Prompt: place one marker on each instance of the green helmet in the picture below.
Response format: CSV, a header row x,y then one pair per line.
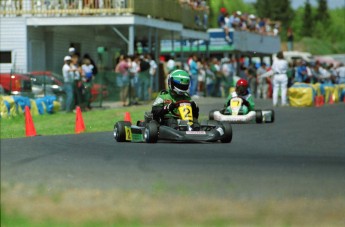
x,y
178,81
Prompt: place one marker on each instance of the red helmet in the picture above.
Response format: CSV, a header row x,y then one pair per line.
x,y
242,87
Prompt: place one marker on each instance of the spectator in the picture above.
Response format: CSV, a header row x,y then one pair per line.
x,y
78,85
215,68
171,65
223,19
340,73
68,77
122,78
251,77
153,77
321,74
194,71
290,39
144,79
291,73
301,72
202,76
87,73
93,63
262,87
280,80
210,78
262,26
228,73
134,69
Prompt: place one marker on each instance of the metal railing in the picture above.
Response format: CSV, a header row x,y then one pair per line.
x,y
170,10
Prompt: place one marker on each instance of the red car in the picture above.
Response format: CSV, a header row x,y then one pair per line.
x,y
15,84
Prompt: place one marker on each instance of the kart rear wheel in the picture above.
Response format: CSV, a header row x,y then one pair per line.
x,y
258,116
272,116
227,132
120,130
151,132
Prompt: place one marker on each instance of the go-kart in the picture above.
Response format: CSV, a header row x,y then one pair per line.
x,y
184,130
237,117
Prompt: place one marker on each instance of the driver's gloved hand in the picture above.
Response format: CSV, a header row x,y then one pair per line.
x,y
171,106
196,125
245,102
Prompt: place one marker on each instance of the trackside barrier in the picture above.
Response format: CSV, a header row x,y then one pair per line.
x,y
11,106
301,95
304,95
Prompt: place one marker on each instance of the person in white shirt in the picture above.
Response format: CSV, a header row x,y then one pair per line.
x,y
68,77
153,78
280,79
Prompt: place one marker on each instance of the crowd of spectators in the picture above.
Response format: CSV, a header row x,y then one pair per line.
x,y
216,76
246,22
136,78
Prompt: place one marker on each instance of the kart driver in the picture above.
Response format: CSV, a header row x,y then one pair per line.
x,y
165,107
241,91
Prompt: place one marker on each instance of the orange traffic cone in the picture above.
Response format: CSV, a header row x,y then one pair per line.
x,y
79,122
317,101
127,117
29,124
331,99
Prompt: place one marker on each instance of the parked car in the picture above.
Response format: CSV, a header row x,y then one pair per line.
x,y
49,83
16,84
46,83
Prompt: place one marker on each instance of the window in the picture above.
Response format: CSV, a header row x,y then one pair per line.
x,y
6,57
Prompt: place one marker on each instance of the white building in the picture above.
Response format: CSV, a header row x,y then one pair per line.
x,y
35,35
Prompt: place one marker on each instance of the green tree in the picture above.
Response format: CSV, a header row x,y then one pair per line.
x,y
307,27
322,13
263,8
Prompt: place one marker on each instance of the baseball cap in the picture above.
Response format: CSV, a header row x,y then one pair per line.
x,y
71,49
223,10
67,58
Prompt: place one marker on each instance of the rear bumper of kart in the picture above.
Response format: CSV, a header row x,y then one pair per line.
x,y
167,133
258,116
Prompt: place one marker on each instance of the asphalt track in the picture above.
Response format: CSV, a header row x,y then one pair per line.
x,y
302,154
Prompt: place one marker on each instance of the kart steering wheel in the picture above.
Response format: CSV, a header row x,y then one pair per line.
x,y
177,104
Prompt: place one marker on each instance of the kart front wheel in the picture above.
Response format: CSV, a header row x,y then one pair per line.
x,y
120,130
227,137
211,115
258,116
151,133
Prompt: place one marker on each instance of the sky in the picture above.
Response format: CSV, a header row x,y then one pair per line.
x,y
297,3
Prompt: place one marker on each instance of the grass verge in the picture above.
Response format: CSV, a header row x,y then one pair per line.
x,y
28,207
97,120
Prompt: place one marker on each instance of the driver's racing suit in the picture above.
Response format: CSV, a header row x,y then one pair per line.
x,y
247,105
164,114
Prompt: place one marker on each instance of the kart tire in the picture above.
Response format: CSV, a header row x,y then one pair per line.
x,y
227,132
272,116
120,130
155,122
211,115
151,132
258,116
213,123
